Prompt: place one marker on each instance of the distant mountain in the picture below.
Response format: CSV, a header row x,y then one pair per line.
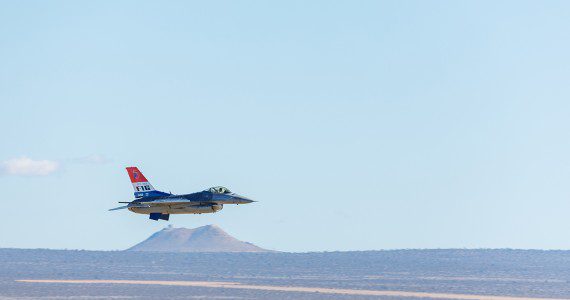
x,y
210,238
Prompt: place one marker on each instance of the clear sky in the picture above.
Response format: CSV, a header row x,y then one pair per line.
x,y
356,125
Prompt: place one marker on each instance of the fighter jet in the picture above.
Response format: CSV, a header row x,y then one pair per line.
x,y
159,205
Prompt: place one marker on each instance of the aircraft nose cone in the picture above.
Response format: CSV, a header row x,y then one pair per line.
x,y
243,200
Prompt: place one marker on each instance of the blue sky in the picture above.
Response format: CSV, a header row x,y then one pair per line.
x,y
356,125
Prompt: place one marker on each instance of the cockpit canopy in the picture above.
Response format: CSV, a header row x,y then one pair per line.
x,y
219,190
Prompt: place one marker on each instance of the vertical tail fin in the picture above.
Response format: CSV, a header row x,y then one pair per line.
x,y
142,187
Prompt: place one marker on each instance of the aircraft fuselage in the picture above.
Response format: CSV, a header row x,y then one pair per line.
x,y
159,205
195,203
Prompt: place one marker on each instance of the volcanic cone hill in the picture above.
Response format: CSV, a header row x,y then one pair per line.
x,y
210,238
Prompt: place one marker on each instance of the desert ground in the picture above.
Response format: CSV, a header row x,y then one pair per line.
x,y
398,274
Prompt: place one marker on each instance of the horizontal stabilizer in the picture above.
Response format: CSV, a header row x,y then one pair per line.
x,y
120,207
127,206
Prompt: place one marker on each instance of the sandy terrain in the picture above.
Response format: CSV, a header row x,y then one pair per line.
x,y
235,285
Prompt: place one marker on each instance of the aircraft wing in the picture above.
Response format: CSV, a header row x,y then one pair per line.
x,y
171,201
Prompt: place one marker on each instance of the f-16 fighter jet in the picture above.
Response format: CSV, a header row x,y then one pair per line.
x,y
159,205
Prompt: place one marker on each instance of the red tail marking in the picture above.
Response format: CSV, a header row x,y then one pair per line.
x,y
135,175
